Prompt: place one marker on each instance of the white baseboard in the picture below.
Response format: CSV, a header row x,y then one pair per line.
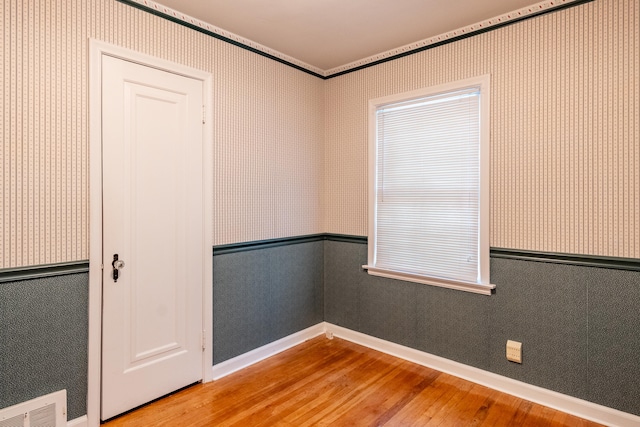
x,y
78,422
232,365
571,405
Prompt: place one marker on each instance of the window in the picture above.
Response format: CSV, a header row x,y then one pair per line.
x,y
429,188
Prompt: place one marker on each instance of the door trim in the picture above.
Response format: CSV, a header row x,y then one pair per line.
x,y
97,49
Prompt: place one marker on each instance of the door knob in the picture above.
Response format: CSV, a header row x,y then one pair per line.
x,y
117,264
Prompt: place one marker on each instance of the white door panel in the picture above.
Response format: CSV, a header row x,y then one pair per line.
x,y
153,220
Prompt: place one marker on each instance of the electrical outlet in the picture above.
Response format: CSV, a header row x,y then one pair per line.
x,y
514,351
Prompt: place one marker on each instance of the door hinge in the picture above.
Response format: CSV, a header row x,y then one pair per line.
x,y
204,115
202,341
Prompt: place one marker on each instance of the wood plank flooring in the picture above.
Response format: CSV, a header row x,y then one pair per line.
x,y
326,382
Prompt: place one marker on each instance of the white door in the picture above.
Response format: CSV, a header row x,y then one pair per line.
x,y
152,136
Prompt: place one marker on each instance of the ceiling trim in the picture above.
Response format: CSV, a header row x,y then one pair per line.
x,y
224,35
500,21
495,23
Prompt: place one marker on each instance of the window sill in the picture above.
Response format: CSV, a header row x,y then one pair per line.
x,y
443,283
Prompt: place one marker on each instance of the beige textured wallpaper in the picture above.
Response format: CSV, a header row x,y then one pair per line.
x,y
290,149
267,118
565,116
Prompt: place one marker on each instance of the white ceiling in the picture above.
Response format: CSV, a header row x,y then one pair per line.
x,y
330,33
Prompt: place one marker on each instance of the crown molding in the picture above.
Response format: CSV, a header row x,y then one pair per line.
x,y
494,23
224,35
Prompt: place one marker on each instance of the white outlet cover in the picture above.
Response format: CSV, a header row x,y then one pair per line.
x,y
514,351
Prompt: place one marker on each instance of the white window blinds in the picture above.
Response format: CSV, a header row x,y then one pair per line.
x,y
427,187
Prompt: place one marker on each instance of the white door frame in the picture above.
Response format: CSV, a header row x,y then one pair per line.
x,y
96,50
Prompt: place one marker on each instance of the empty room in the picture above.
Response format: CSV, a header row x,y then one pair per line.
x,y
364,212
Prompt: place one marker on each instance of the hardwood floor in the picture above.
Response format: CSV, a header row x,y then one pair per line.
x,y
337,383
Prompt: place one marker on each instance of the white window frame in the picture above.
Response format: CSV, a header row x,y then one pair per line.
x,y
483,286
